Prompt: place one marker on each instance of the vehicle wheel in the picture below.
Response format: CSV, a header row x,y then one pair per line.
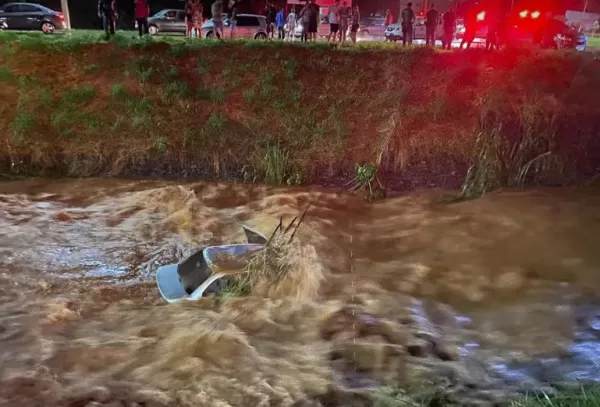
x,y
260,36
48,28
209,35
152,30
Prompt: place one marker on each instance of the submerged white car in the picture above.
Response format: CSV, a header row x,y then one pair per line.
x,y
194,277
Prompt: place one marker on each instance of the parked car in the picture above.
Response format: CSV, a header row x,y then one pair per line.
x,y
394,31
548,33
250,26
372,27
29,16
167,21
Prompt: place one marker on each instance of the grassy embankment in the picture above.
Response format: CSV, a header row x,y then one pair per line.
x,y
281,113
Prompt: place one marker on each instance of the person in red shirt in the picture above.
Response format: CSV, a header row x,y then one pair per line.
x,y
142,12
389,18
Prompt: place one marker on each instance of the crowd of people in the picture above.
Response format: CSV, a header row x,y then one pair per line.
x,y
340,17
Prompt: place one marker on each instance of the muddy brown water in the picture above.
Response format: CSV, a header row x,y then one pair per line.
x,y
484,299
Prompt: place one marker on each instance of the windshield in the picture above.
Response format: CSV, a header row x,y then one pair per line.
x,y
160,14
374,21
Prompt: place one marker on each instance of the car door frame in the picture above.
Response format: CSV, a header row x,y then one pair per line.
x,y
12,20
179,25
32,20
168,24
246,30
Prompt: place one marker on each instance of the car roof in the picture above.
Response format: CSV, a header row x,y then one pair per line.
x,y
28,4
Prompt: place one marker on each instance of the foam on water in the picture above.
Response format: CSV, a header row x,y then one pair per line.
x,y
491,295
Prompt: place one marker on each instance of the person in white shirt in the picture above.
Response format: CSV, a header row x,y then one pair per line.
x,y
291,24
334,20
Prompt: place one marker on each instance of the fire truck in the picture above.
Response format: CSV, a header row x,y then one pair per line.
x,y
525,22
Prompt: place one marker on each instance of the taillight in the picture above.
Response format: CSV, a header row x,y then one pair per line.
x,y
524,13
60,16
481,16
535,14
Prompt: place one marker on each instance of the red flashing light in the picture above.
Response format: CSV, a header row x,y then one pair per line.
x,y
481,16
524,13
535,14
60,16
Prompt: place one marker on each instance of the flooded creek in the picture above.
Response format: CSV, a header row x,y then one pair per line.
x,y
485,299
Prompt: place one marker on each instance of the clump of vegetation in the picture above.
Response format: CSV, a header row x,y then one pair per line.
x,y
6,75
281,269
515,152
585,397
366,180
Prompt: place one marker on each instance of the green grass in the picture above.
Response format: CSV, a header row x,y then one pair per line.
x,y
594,42
585,397
389,397
281,110
6,75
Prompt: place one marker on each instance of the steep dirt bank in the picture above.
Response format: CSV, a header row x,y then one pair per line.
x,y
285,114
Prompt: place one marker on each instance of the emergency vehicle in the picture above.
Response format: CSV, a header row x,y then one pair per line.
x,y
527,25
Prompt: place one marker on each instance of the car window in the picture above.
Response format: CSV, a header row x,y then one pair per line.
x,y
247,21
375,21
159,14
181,15
13,8
171,14
27,8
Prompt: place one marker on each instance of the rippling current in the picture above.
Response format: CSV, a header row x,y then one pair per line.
x,y
486,299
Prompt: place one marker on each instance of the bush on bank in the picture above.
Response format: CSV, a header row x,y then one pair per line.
x,y
287,113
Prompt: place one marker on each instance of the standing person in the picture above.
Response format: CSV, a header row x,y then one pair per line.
x,y
305,19
270,15
280,21
344,17
355,23
107,11
389,18
408,19
431,24
189,18
217,18
233,7
197,20
334,20
313,25
291,23
449,24
470,28
492,32
142,12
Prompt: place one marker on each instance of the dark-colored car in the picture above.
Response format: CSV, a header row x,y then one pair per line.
x,y
167,21
29,16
